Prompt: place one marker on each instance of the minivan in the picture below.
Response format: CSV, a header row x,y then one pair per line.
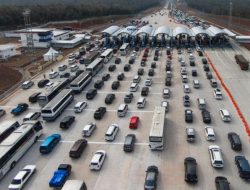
x,y
141,102
129,142
111,132
166,93
196,84
78,108
144,91
210,135
225,116
186,88
74,185
33,97
134,87
32,116
27,84
235,141
137,79
201,103
88,129
91,94
77,148
216,156
122,110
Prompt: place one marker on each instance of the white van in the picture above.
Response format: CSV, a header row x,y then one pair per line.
x,y
111,132
137,79
225,116
32,116
74,185
201,103
134,87
71,61
166,93
216,156
186,88
74,68
53,74
80,106
88,129
27,84
210,135
184,78
196,84
141,102
122,110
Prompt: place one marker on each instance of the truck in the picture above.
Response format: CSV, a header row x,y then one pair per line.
x,y
241,60
60,175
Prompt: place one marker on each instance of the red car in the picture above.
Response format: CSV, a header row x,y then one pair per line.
x,y
170,57
133,124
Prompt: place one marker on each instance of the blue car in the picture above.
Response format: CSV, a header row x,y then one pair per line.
x,y
49,143
20,108
60,175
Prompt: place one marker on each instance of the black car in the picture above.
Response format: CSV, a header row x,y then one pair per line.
x,y
77,148
206,68
235,141
156,58
109,98
99,84
99,113
118,60
168,68
140,71
194,73
127,67
243,166
144,91
188,115
190,170
65,75
112,68
91,94
222,183
131,61
143,63
106,77
204,61
151,72
115,85
33,97
120,76
209,75
151,178
129,143
192,63
200,53
128,98
153,65
67,122
42,83
206,117
168,81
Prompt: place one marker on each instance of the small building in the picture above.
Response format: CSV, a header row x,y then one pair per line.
x,y
60,34
67,43
7,51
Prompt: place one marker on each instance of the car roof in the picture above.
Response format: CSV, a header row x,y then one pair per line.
x,y
20,174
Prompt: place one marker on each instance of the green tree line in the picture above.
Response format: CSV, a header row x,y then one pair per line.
x,y
240,8
11,15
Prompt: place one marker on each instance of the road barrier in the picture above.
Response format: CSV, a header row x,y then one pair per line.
x,y
242,118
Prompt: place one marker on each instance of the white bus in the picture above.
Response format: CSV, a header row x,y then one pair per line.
x,y
124,49
55,107
107,55
44,98
17,144
156,136
80,82
6,128
95,66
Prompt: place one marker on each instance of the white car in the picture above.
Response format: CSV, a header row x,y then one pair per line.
x,y
210,134
88,129
217,94
27,84
225,115
148,82
80,106
53,74
22,177
74,68
97,160
216,156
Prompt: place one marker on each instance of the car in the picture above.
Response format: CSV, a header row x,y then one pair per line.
x,y
97,160
140,71
143,62
168,81
128,98
112,68
168,68
206,68
156,58
153,65
134,121
204,61
200,53
213,83
151,178
118,60
190,170
131,60
225,115
32,116
111,132
80,106
217,94
67,122
188,115
216,156
60,175
192,63
22,177
53,74
165,104
2,112
77,148
20,108
65,75
129,143
115,85
74,68
186,101
151,72
62,68
136,79
210,134
235,141
27,84
49,143
148,82
190,132
91,94
109,98
189,50
42,83
243,167
106,77
206,117
209,75
33,97
221,183
194,73
120,76
144,91
99,84
184,78
127,67
179,51
88,129
99,113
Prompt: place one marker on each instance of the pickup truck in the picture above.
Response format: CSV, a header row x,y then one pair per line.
x,y
20,108
60,175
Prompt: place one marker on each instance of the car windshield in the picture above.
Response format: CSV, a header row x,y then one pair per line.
x,y
16,181
149,183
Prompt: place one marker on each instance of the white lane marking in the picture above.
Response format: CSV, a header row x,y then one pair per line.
x,y
104,142
114,92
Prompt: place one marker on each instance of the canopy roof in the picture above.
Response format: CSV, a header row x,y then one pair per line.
x,y
198,30
163,30
145,30
110,30
215,31
182,30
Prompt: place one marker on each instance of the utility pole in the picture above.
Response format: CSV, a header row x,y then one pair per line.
x,y
230,14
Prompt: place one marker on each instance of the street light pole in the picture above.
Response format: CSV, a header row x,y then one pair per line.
x,y
230,14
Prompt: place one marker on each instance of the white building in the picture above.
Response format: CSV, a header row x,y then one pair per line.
x,y
7,50
60,34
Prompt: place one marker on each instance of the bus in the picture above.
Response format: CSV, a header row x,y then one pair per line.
x,y
90,57
80,82
95,66
6,128
156,135
107,55
44,98
17,143
124,49
56,106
